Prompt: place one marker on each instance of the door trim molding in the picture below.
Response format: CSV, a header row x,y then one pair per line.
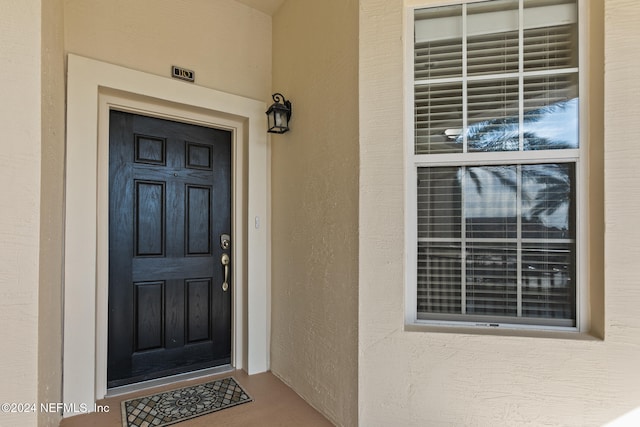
x,y
93,87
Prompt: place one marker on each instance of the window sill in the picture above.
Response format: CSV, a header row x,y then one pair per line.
x,y
501,331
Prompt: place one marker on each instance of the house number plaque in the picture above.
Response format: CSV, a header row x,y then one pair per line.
x,y
182,73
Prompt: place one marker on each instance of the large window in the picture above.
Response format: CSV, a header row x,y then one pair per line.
x,y
496,161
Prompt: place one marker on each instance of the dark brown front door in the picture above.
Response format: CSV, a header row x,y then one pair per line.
x,y
169,203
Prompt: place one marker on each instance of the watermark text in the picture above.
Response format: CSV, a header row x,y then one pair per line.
x,y
51,407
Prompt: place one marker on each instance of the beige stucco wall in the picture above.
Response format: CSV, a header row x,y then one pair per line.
x,y
20,204
52,210
426,378
314,205
226,43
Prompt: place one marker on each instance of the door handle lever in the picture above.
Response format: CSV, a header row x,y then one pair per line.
x,y
224,260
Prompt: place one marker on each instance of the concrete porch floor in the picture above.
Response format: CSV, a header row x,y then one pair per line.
x,y
274,404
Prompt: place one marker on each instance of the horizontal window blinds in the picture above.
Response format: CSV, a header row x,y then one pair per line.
x,y
497,241
482,84
497,16
438,118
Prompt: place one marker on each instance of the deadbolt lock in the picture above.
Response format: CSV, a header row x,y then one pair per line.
x,y
225,241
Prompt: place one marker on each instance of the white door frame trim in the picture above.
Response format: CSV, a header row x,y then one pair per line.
x,y
93,86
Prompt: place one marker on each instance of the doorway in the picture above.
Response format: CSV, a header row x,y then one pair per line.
x,y
169,248
93,89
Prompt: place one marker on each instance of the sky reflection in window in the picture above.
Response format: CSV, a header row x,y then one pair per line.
x,y
548,128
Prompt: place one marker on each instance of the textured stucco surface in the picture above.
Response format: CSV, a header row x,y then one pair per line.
x,y
315,204
52,210
20,204
452,379
226,43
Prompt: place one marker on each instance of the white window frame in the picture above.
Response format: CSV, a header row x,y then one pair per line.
x,y
414,161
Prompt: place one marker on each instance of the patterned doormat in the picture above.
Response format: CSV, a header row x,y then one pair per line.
x,y
173,406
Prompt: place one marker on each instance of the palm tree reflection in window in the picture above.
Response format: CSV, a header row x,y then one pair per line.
x,y
542,196
546,199
552,127
546,189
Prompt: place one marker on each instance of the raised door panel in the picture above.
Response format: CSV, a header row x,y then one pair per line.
x,y
149,218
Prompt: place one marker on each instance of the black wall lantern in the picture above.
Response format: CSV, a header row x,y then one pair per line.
x,y
278,114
